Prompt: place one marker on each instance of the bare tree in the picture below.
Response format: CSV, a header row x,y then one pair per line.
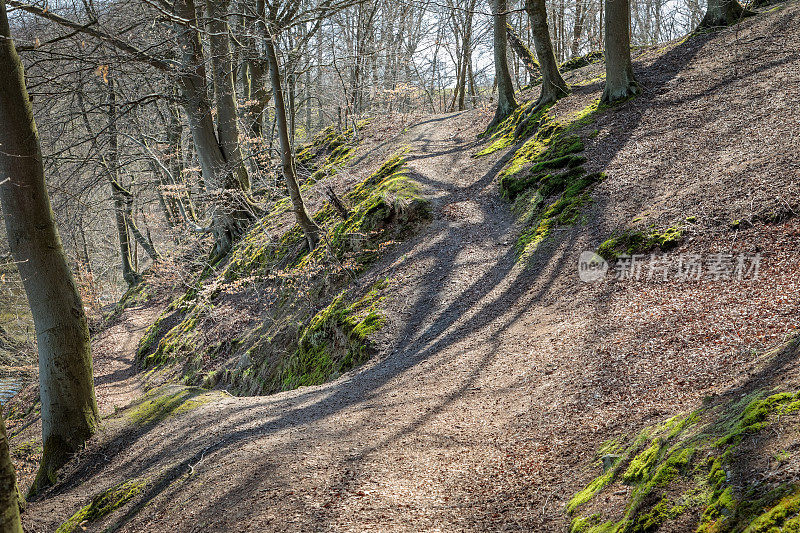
x,y
553,85
69,410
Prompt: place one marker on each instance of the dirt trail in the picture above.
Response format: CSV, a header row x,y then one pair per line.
x,y
115,374
387,446
500,378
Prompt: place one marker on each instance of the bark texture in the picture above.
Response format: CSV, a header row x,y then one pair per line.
x,y
620,80
724,13
553,85
309,227
220,159
69,410
9,491
505,88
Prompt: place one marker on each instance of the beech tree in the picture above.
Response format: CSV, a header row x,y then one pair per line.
x,y
9,491
69,409
505,88
553,85
620,80
724,13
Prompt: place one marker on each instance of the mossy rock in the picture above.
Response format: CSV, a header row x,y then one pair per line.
x,y
632,241
102,505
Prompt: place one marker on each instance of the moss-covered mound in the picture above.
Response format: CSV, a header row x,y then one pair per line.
x,y
546,180
330,150
634,241
303,318
694,472
102,505
581,61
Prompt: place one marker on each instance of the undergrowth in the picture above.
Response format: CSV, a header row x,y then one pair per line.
x,y
310,319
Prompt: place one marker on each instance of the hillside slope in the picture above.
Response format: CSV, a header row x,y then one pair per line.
x,y
499,374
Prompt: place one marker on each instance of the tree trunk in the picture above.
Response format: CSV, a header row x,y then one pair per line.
x,y
505,89
577,30
553,85
309,227
620,81
233,211
724,13
9,491
225,90
69,410
524,53
129,273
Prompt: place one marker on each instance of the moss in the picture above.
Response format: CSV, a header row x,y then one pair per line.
x,y
505,134
784,516
134,296
102,505
335,340
683,465
587,493
642,466
28,448
755,416
631,242
312,330
581,61
328,152
545,177
166,401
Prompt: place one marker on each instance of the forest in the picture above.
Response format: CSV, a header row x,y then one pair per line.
x,y
439,265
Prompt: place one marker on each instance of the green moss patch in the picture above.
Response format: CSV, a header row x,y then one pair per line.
x,y
335,340
685,471
546,180
506,133
330,150
581,61
167,401
631,242
102,505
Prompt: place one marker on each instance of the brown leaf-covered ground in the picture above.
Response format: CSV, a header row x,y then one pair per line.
x,y
498,379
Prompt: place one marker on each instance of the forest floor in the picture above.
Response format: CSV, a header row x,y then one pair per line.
x,y
499,378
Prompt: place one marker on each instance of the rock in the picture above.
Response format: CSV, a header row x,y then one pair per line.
x,y
609,460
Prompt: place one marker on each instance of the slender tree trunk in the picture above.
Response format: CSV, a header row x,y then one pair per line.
x,y
69,410
129,273
466,55
620,81
577,30
309,227
553,85
10,499
505,89
724,13
524,53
